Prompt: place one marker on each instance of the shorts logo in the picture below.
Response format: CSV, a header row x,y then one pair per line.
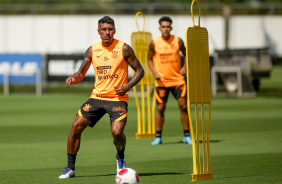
x,y
115,54
86,107
119,109
162,93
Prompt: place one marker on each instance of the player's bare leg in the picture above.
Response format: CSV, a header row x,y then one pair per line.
x,y
159,123
182,104
79,124
119,140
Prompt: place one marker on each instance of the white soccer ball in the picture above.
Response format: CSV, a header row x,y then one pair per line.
x,y
127,176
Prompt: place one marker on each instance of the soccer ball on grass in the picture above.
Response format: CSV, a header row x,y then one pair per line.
x,y
127,176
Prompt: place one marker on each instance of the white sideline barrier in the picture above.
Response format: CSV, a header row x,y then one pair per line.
x,y
38,80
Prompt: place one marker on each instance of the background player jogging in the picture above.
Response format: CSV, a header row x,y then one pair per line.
x,y
169,75
110,59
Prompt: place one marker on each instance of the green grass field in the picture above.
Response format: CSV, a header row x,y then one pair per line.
x,y
246,141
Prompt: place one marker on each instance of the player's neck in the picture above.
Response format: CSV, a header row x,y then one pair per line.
x,y
166,37
107,44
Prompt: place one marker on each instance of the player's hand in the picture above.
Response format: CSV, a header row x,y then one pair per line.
x,y
158,76
121,90
69,81
183,71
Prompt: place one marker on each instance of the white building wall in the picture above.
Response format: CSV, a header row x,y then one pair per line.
x,y
74,34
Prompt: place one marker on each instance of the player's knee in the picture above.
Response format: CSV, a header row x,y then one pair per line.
x,y
117,133
183,107
161,108
77,127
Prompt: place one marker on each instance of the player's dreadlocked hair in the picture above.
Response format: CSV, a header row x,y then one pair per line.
x,y
165,18
106,19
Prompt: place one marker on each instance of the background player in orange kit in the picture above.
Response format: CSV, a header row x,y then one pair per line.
x,y
110,59
169,76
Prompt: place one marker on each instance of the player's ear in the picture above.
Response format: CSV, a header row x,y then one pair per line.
x,y
171,29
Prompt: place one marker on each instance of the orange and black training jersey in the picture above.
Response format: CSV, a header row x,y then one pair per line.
x,y
110,70
167,61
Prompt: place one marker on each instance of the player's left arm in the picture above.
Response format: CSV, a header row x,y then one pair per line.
x,y
131,59
183,51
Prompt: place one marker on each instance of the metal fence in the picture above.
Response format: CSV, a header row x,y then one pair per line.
x,y
148,8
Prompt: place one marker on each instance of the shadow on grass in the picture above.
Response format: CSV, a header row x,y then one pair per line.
x,y
140,174
158,174
180,142
270,92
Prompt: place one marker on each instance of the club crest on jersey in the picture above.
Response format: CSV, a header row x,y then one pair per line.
x,y
162,93
115,54
86,107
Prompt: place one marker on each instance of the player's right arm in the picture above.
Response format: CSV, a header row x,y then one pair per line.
x,y
151,54
79,75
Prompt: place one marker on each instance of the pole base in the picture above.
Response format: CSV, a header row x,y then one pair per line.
x,y
145,135
199,177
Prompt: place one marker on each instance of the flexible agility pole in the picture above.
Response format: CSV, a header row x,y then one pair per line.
x,y
140,42
199,93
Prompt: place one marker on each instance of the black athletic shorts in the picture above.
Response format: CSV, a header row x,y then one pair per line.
x,y
94,110
162,93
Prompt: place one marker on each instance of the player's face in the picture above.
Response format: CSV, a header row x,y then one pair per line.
x,y
165,28
106,32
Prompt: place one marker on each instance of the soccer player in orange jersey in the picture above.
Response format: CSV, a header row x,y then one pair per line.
x,y
164,51
110,59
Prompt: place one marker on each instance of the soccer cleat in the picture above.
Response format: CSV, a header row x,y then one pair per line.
x,y
157,141
68,173
187,140
121,164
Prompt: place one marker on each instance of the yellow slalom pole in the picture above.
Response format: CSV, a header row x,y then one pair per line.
x,y
198,93
143,107
204,142
138,111
208,140
198,142
140,41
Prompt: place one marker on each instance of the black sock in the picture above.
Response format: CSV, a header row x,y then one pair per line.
x,y
159,134
71,160
120,154
186,133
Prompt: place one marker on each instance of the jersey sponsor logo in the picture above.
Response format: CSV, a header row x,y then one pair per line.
x,y
97,50
103,67
105,96
102,73
107,76
86,107
119,108
161,93
115,54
